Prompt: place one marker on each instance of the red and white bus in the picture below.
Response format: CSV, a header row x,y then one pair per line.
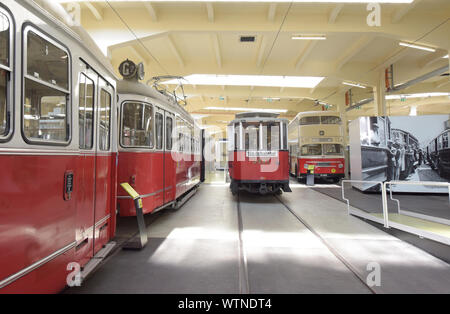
x,y
316,145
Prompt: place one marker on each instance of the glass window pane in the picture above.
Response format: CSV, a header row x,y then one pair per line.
x,y
105,117
3,107
251,135
159,130
45,113
309,120
137,125
169,127
312,150
330,120
332,149
86,110
47,62
4,39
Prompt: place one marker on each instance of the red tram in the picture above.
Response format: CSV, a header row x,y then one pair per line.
x,y
159,147
59,141
57,149
258,159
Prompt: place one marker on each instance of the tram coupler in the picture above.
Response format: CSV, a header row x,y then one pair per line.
x,y
310,176
141,241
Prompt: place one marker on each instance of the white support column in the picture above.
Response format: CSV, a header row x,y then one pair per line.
x,y
379,92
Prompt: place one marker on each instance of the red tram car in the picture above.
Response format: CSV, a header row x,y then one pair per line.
x,y
159,147
59,141
258,158
57,149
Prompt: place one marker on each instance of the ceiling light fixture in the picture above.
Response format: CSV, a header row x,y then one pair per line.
x,y
247,109
354,84
250,80
445,57
309,37
405,44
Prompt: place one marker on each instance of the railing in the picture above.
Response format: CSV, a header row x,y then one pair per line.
x,y
386,222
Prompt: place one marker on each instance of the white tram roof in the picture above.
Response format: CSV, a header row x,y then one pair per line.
x,y
258,117
133,87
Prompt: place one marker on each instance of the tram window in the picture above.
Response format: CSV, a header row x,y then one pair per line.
x,y
3,107
332,149
105,120
137,125
312,150
159,121
86,110
5,31
310,120
445,140
45,115
330,120
271,136
169,126
46,90
4,39
251,135
46,61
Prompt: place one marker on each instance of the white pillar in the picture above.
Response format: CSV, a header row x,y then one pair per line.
x,y
379,93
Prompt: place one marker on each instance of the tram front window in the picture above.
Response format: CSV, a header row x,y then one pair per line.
x,y
332,149
137,125
251,135
4,39
312,150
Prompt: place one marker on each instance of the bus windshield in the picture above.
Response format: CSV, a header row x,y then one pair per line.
x,y
312,150
330,120
332,149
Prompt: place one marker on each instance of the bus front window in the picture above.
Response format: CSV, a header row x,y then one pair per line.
x,y
330,120
312,150
332,149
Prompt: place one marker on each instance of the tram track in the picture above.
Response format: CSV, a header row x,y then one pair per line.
x,y
244,286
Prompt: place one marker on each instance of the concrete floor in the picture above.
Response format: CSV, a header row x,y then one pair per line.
x,y
196,250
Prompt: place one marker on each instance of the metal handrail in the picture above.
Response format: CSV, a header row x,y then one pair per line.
x,y
355,181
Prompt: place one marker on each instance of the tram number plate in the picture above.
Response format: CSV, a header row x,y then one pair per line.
x,y
251,154
68,185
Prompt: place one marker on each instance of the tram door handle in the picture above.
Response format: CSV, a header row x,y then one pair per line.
x,y
68,185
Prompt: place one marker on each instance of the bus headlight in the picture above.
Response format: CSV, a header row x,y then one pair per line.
x,y
306,166
341,166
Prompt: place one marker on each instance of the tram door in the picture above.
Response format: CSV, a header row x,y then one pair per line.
x,y
85,173
104,164
169,162
158,159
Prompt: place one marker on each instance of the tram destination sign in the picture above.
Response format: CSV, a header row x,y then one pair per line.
x,y
261,153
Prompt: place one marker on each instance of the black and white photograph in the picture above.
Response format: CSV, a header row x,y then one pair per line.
x,y
412,148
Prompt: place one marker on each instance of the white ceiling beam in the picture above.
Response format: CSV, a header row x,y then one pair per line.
x,y
305,53
175,51
392,57
432,57
210,11
353,50
152,11
401,12
335,13
262,49
272,12
96,12
216,47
